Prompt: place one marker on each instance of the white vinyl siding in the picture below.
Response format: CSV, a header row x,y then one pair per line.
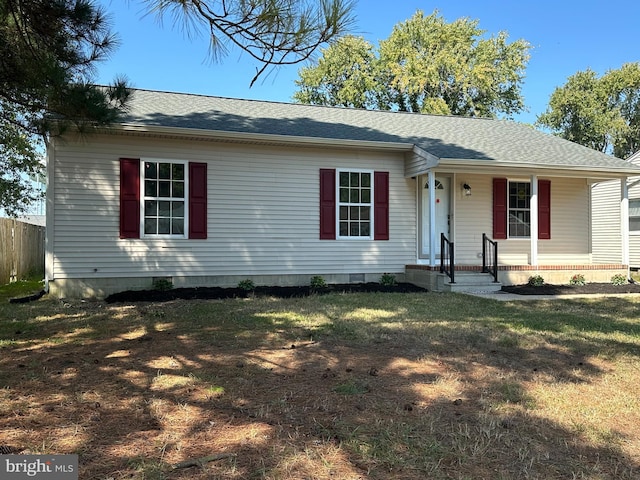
x,y
263,213
607,244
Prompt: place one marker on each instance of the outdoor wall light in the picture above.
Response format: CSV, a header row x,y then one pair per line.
x,y
466,188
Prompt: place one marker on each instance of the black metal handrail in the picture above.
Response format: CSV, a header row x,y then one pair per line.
x,y
490,257
446,258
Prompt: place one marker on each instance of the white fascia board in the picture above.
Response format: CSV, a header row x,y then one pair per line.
x,y
419,162
482,166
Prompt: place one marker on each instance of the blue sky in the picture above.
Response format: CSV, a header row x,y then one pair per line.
x,y
567,36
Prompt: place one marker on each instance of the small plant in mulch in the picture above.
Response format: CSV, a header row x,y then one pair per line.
x,y
536,281
162,284
619,279
246,285
317,282
577,279
388,280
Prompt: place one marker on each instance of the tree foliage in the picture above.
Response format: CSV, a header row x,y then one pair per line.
x,y
426,65
345,76
273,32
602,113
48,50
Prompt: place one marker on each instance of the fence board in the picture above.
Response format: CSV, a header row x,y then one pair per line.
x,y
21,250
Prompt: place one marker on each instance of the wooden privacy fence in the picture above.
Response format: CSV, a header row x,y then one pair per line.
x,y
21,250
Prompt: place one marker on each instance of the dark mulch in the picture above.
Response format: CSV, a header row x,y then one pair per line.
x,y
589,288
214,293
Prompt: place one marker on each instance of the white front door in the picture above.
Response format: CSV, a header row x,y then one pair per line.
x,y
442,193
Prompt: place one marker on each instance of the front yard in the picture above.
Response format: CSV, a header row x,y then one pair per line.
x,y
338,386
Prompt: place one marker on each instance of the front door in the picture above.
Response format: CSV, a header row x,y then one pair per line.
x,y
442,195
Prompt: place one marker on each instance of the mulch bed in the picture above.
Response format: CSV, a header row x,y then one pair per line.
x,y
589,288
215,293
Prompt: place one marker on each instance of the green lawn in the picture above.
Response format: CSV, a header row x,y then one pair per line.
x,y
350,386
20,289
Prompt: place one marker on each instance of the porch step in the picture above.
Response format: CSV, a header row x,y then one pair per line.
x,y
471,282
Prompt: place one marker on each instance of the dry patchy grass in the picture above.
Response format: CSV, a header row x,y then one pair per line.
x,y
358,386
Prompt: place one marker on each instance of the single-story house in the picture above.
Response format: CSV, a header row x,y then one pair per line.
x,y
610,221
208,191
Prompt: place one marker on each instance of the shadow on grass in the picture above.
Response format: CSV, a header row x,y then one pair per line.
x,y
369,385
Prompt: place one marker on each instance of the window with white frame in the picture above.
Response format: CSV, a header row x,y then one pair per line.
x,y
164,202
519,210
355,194
634,215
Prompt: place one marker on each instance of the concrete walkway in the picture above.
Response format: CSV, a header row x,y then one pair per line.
x,y
511,297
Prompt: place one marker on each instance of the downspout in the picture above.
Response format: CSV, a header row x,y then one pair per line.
x,y
50,215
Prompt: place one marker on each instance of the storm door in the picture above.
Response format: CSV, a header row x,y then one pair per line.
x,y
442,214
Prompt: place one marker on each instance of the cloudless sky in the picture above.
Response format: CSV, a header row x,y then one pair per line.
x,y
567,36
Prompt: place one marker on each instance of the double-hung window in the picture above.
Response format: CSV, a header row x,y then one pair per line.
x,y
634,216
519,210
355,204
164,203
512,209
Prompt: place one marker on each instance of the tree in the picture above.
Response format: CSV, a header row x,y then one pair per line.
x,y
426,65
48,50
273,32
602,113
345,76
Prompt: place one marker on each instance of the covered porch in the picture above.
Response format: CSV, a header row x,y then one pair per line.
x,y
491,226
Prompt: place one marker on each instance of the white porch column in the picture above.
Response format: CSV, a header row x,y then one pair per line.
x,y
431,179
624,219
533,206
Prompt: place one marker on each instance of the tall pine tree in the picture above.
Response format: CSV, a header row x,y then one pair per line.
x,y
48,52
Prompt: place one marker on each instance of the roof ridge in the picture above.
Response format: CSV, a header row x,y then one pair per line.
x,y
330,107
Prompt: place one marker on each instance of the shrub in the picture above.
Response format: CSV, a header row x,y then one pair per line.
x,y
317,282
388,280
162,284
618,279
536,281
246,285
577,279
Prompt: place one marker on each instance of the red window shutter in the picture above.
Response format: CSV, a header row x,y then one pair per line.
x,y
327,204
129,198
544,209
198,200
499,208
381,205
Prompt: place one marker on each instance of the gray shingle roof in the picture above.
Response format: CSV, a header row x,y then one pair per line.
x,y
446,137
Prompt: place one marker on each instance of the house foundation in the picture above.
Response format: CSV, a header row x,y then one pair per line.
x,y
98,288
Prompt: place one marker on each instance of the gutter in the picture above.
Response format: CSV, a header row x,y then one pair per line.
x,y
469,165
262,137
